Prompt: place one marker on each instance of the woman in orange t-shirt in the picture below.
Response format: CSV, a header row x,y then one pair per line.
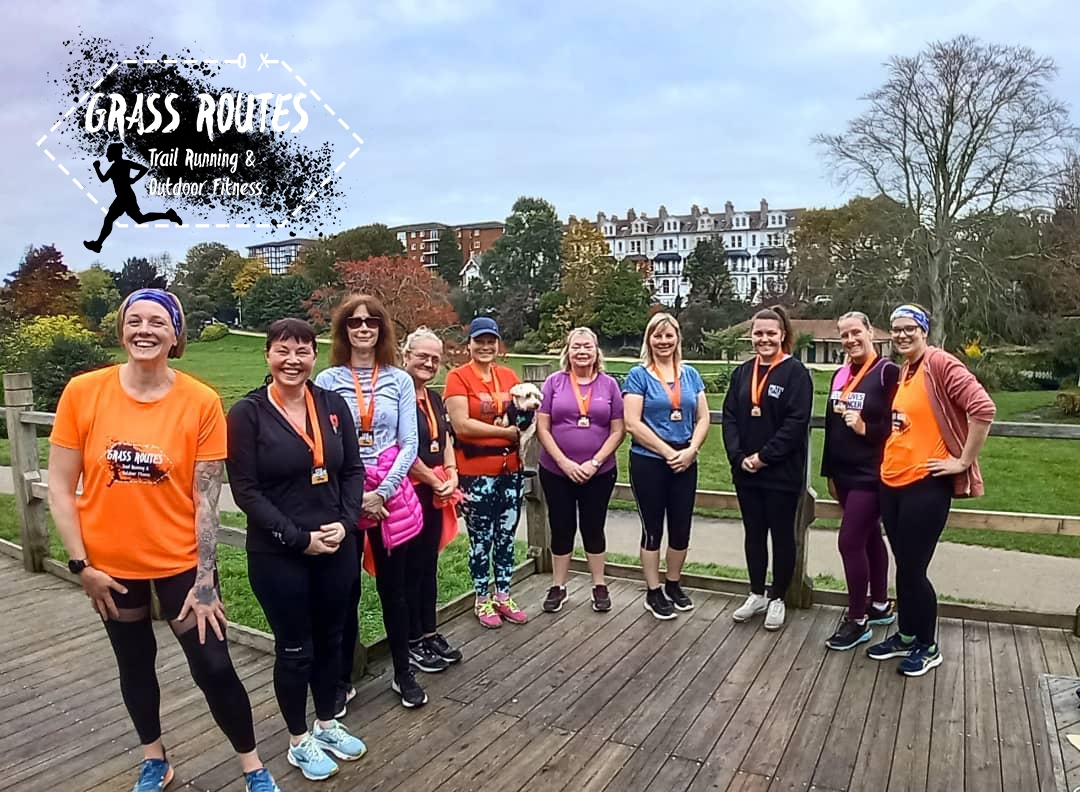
x,y
477,397
940,420
149,443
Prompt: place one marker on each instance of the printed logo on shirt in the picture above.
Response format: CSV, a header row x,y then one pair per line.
x,y
776,391
856,400
136,463
900,421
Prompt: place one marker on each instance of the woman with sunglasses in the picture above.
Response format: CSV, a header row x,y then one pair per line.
x,y
857,423
383,400
941,418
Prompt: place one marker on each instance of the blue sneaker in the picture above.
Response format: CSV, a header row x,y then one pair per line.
x,y
260,781
154,775
891,647
309,757
920,661
338,741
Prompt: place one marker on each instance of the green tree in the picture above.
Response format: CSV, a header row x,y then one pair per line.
x,y
956,134
275,297
708,273
138,273
43,285
357,244
523,264
449,259
585,263
622,310
97,293
199,263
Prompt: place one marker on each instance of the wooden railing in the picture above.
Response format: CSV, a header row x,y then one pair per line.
x,y
31,495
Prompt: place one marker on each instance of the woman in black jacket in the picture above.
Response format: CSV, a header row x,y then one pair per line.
x,y
766,433
295,470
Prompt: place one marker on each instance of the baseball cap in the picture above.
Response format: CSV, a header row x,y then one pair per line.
x,y
484,325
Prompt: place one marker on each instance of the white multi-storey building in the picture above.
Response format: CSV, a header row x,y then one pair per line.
x,y
756,243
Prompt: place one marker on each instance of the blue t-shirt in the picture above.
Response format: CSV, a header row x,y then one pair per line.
x,y
656,411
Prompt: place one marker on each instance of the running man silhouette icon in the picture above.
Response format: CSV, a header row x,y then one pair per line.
x,y
121,175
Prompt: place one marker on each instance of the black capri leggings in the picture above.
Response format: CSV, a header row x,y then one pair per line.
x,y
914,517
660,491
422,569
305,598
572,505
133,642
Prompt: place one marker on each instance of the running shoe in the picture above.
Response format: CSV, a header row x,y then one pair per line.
x,y
443,649
260,781
309,758
893,646
849,634
336,739
556,596
921,660
673,591
154,775
486,613
601,599
774,616
424,659
881,616
659,605
755,604
509,610
412,695
342,699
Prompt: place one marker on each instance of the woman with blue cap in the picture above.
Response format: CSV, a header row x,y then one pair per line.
x,y
941,417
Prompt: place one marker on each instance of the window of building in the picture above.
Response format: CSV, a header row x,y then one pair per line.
x,y
651,245
665,287
414,235
684,243
476,232
620,247
476,244
412,246
753,240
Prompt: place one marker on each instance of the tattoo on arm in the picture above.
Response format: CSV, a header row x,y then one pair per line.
x,y
208,476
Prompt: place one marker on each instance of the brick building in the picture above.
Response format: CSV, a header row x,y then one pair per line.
x,y
421,240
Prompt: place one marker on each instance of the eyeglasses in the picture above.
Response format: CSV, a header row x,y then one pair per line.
x,y
909,331
426,359
370,322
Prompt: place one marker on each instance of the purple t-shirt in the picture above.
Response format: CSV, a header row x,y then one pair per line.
x,y
580,443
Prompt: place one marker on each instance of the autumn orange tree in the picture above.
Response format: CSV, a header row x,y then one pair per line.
x,y
413,296
43,285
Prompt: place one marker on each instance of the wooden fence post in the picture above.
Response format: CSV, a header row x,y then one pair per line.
x,y
25,471
536,515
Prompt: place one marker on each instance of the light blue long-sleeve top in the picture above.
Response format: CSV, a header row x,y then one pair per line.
x,y
394,421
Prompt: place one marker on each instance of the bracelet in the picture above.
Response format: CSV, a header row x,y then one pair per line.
x,y
449,467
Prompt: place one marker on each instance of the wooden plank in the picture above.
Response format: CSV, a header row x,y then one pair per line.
x,y
1032,666
594,776
841,748
508,764
675,775
1016,742
763,755
982,759
1059,659
911,754
945,768
874,761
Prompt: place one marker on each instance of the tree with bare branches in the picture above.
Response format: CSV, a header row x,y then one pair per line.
x,y
958,133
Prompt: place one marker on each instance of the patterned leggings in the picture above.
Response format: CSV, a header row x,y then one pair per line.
x,y
491,509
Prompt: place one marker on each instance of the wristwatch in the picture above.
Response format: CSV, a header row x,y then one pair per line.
x,y
76,567
595,463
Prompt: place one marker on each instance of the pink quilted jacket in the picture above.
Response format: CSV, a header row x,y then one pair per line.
x,y
406,518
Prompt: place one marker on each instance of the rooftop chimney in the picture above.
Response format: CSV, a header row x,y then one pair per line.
x,y
729,213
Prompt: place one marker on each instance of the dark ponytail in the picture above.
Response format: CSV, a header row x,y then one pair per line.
x,y
777,314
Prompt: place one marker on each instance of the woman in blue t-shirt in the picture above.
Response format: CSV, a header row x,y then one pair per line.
x,y
667,415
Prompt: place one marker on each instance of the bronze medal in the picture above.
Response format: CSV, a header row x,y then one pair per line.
x,y
434,446
366,439
676,415
583,421
319,475
755,412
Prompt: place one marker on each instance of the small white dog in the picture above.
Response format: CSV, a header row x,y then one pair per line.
x,y
526,401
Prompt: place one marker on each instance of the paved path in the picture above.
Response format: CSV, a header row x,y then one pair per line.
x,y
1003,577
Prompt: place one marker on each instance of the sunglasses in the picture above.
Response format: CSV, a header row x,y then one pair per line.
x,y
370,322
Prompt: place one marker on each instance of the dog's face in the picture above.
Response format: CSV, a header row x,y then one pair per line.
x,y
526,396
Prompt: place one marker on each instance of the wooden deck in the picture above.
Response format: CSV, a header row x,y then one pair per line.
x,y
575,701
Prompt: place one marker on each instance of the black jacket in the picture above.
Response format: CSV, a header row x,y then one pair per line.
x,y
854,461
270,472
780,436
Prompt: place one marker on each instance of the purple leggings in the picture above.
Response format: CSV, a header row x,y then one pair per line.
x,y
862,548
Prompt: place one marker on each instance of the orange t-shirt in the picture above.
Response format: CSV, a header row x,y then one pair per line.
x,y
483,406
137,507
915,437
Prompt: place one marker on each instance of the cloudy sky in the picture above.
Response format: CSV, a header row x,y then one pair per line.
x,y
464,105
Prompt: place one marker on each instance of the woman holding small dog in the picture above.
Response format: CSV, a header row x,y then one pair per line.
x,y
667,415
580,426
477,397
766,434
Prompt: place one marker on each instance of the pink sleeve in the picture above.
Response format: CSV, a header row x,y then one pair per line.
x,y
965,391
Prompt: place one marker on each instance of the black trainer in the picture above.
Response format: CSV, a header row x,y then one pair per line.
x,y
659,605
341,700
443,649
422,657
673,591
849,635
876,615
556,596
601,599
412,695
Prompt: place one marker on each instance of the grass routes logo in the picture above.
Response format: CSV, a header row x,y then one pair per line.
x,y
171,136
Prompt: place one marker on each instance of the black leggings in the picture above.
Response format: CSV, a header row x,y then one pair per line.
x,y
914,517
422,568
660,491
350,631
765,513
305,598
571,504
132,638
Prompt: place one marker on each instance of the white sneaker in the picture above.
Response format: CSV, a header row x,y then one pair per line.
x,y
755,604
774,619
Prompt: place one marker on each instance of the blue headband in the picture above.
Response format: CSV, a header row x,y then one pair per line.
x,y
915,314
162,298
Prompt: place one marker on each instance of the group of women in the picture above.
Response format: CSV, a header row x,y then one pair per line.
x,y
367,466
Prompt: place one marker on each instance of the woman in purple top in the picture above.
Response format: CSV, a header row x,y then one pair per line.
x,y
580,425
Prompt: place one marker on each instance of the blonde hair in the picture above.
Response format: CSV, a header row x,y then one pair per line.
x,y
419,333
564,356
866,323
655,323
